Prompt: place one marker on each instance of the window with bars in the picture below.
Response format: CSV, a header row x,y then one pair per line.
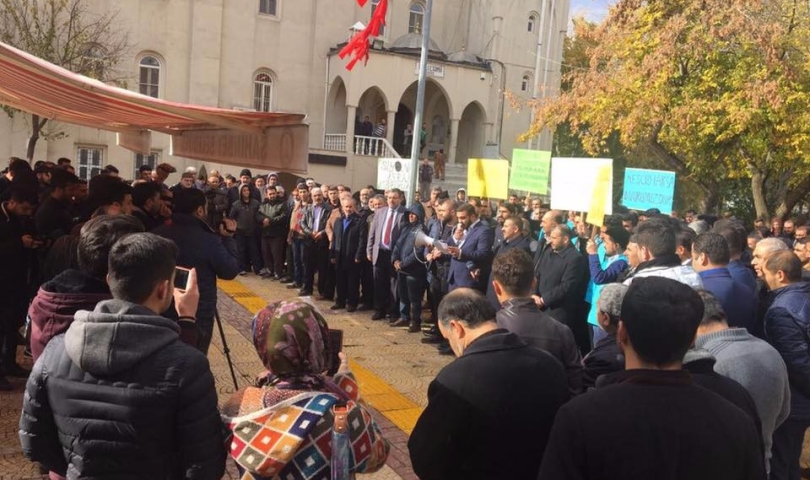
x,y
374,4
149,76
91,160
268,7
140,159
416,18
263,92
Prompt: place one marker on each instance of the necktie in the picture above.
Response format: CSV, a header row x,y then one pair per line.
x,y
388,225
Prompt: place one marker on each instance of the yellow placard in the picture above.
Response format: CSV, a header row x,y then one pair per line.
x,y
596,214
488,178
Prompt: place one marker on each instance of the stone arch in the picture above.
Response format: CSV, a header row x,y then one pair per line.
x,y
438,113
471,132
336,109
374,104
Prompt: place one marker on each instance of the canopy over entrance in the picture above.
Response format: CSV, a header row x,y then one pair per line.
x,y
274,141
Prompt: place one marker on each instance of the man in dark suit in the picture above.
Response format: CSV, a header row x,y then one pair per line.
x,y
511,238
562,278
382,237
471,251
348,253
710,258
316,251
496,426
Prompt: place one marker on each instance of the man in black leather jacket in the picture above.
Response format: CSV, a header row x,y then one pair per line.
x,y
513,276
119,392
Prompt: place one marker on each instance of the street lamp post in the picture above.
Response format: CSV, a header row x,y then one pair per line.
x,y
420,102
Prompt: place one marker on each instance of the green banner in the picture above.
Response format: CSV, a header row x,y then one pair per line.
x,y
530,171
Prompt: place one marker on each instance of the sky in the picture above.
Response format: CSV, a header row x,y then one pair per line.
x,y
593,10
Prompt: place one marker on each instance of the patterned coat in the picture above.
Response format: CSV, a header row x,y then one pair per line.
x,y
283,433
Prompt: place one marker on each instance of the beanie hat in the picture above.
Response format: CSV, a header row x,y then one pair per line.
x,y
244,172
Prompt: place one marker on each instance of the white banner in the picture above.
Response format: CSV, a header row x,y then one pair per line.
x,y
573,181
395,173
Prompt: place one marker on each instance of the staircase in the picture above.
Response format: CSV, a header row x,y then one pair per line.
x,y
455,178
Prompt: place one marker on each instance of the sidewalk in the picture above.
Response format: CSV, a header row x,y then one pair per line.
x,y
393,369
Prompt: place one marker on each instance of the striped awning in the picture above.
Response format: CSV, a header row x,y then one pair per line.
x,y
35,86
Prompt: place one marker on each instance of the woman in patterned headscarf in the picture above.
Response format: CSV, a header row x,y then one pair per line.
x,y
282,427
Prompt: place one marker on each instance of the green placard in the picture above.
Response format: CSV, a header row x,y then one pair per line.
x,y
530,171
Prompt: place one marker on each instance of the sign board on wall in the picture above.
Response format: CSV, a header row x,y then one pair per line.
x,y
283,148
645,189
573,181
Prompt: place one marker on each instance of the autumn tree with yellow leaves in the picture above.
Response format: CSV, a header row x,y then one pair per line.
x,y
717,91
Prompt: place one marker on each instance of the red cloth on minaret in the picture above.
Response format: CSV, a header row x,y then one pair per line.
x,y
358,46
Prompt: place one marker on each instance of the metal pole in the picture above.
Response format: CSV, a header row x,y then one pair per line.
x,y
538,58
420,102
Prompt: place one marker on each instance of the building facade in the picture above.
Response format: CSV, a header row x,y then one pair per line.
x,y
281,55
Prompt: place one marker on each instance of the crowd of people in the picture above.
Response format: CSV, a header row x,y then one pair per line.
x,y
650,346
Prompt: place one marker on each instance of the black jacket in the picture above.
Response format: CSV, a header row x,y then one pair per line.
x,y
119,396
349,245
213,255
245,216
562,278
489,412
523,243
652,424
605,358
54,218
14,257
276,213
522,317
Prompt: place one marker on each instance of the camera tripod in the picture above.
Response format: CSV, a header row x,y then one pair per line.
x,y
225,349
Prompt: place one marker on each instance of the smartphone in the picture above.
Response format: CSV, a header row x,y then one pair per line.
x,y
181,277
335,347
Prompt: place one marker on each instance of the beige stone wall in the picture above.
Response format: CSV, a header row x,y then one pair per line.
x,y
210,51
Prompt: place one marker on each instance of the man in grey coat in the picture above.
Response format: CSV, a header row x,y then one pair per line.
x,y
752,362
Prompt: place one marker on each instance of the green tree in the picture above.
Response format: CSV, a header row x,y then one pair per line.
x,y
65,33
715,90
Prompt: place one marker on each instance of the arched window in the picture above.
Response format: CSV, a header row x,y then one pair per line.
x,y
149,76
525,83
93,62
263,92
374,4
416,18
532,23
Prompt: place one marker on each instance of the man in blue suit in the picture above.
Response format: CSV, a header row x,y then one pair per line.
x,y
471,251
710,258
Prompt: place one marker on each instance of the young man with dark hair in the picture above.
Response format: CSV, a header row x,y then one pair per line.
x,y
656,244
512,282
666,425
710,258
496,426
121,372
736,237
17,245
147,204
684,238
145,173
212,254
787,322
111,193
54,217
51,312
470,249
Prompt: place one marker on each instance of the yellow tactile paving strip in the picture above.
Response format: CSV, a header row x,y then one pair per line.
x,y
394,406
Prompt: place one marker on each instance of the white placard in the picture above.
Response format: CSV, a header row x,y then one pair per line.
x,y
395,173
573,180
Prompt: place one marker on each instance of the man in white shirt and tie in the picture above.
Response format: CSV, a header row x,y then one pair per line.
x,y
382,237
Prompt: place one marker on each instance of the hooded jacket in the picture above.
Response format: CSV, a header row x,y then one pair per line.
x,y
667,266
119,396
51,312
412,263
